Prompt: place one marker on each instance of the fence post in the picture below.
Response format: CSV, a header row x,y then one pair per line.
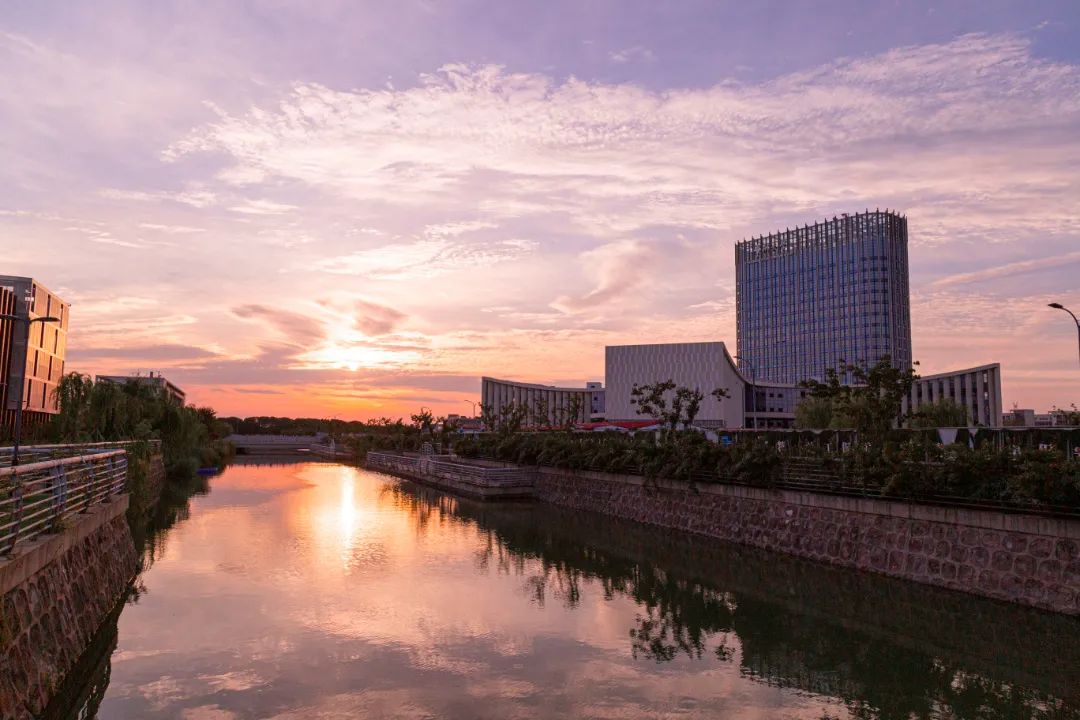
x,y
112,475
59,492
88,477
16,513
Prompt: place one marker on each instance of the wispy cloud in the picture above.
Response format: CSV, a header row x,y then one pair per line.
x,y
375,319
423,258
1010,269
619,269
195,198
295,327
262,207
630,54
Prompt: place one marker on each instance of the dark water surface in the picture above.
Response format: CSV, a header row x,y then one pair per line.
x,y
324,591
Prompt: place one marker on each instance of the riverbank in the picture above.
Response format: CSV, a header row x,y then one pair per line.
x,y
56,593
1022,558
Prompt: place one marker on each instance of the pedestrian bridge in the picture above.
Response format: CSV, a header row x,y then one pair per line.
x,y
273,444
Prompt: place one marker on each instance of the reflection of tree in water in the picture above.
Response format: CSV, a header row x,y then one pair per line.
x,y
811,644
150,533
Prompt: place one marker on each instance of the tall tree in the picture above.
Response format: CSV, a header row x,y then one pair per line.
x,y
674,406
872,403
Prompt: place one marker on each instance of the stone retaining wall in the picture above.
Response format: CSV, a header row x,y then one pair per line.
x,y
54,595
156,477
1026,559
482,482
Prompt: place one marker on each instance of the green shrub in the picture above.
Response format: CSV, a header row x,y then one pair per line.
x,y
905,465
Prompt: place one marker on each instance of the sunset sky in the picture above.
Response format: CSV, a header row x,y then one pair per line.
x,y
355,209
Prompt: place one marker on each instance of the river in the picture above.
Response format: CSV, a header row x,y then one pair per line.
x,y
323,591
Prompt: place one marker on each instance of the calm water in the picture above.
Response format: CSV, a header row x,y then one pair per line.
x,y
324,591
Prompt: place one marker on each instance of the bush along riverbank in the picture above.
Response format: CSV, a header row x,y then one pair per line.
x,y
908,465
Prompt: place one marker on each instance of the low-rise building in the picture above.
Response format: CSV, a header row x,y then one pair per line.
x,y
977,389
168,389
1025,417
704,366
545,405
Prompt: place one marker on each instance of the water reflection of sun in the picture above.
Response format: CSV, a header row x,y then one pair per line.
x,y
342,523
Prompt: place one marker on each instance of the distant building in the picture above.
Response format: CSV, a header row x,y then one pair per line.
x,y
30,368
596,399
1022,417
463,423
1019,417
550,401
168,389
976,389
810,297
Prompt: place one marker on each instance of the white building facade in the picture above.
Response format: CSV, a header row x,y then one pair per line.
x,y
545,404
976,389
705,366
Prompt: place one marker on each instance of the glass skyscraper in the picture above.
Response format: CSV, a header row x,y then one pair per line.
x,y
810,297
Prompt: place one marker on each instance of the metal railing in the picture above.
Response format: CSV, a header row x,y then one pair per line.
x,y
472,473
484,474
391,460
40,497
41,453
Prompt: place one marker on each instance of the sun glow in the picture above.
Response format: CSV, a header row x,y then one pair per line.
x,y
341,355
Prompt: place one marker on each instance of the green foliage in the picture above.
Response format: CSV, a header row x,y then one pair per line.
x,y
1070,417
870,402
385,434
103,412
685,403
814,413
945,413
504,421
423,421
911,465
270,425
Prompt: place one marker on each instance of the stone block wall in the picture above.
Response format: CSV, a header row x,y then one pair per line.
x,y
1027,559
156,477
54,596
481,482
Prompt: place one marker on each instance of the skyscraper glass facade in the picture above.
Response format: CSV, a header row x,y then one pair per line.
x,y
809,298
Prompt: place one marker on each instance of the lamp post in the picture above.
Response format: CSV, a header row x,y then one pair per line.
x,y
473,406
753,390
1059,306
26,354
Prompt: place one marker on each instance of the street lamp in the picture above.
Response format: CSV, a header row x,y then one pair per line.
x,y
1059,306
473,406
26,344
753,389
